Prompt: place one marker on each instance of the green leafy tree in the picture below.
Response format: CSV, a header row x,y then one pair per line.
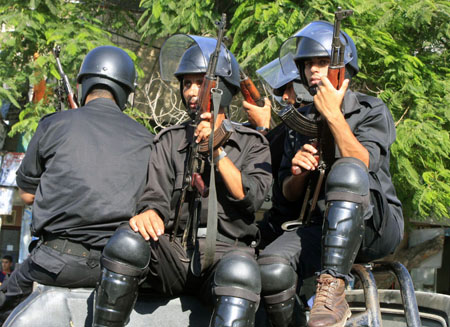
x,y
31,30
403,56
402,49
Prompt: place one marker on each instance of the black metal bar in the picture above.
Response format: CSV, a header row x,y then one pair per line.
x,y
406,290
372,315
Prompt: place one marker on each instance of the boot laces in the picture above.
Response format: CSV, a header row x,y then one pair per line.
x,y
324,292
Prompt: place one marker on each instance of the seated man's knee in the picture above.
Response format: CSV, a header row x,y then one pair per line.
x,y
126,252
348,176
279,282
277,275
237,274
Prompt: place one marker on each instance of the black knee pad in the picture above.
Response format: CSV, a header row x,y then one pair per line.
x,y
279,282
277,275
126,252
237,274
348,180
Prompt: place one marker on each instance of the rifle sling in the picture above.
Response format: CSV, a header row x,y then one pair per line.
x,y
211,231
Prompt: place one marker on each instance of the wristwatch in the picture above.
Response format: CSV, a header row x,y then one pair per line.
x,y
220,156
262,129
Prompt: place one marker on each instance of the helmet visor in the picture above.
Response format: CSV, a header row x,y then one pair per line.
x,y
175,46
274,76
322,33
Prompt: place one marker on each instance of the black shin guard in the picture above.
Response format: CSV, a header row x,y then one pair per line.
x,y
279,282
232,311
280,308
347,192
114,299
121,274
237,285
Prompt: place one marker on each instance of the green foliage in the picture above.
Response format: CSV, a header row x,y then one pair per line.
x,y
404,60
162,18
140,117
403,55
35,27
402,50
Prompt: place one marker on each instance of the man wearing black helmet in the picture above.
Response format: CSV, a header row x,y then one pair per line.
x,y
361,214
242,166
288,91
83,172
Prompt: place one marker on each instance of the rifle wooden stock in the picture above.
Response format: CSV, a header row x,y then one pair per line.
x,y
250,92
204,104
336,70
336,75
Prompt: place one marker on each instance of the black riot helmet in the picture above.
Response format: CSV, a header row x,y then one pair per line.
x,y
194,62
184,54
278,79
315,40
109,66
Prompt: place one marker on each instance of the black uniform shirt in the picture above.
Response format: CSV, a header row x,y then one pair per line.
x,y
249,152
371,122
87,168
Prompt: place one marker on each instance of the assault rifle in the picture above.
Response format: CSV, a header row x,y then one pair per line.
x,y
64,83
192,180
319,130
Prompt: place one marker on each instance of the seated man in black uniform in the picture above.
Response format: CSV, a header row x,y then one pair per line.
x,y
84,171
243,176
360,211
288,91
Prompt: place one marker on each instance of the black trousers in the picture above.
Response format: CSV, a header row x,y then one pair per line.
x,y
49,267
169,272
302,247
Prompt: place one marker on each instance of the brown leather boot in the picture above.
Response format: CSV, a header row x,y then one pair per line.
x,y
330,308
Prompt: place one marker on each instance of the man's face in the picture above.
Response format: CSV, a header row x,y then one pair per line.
x,y
6,265
289,95
315,68
191,89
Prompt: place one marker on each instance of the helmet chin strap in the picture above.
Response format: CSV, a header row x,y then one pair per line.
x,y
312,90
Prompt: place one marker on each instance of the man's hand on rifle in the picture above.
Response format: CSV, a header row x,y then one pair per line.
x,y
204,127
328,100
258,116
306,159
149,224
